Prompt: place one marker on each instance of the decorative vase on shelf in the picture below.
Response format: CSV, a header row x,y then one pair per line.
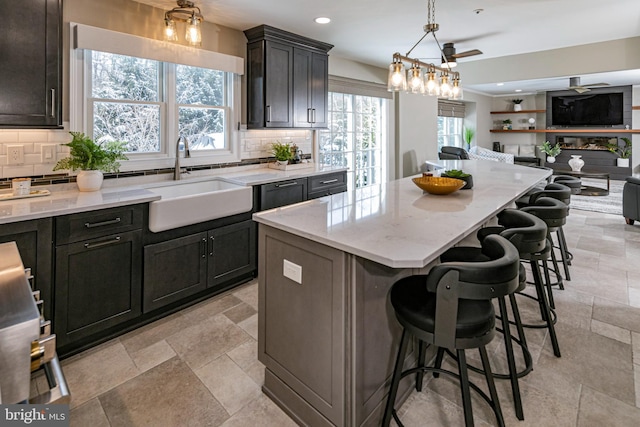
x,y
517,107
551,159
282,162
576,163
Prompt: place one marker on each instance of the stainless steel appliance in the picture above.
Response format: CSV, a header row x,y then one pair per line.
x,y
26,342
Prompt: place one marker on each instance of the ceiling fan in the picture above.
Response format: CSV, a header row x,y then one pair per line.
x,y
449,52
574,84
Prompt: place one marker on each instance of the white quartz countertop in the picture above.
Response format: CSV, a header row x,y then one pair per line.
x,y
71,201
66,199
396,224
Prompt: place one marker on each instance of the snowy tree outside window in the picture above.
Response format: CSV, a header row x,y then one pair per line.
x,y
135,100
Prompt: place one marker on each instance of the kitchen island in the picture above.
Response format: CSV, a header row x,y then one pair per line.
x,y
327,334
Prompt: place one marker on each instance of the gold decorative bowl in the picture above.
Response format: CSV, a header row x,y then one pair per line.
x,y
438,185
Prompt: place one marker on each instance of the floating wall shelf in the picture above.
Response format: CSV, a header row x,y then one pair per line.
x,y
519,112
566,131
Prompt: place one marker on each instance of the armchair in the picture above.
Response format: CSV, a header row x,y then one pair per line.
x,y
631,200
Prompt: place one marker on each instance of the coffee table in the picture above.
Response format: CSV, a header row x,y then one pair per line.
x,y
586,190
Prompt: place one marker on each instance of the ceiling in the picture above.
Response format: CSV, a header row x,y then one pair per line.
x,y
370,31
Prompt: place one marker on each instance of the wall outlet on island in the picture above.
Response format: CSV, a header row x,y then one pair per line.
x,y
292,271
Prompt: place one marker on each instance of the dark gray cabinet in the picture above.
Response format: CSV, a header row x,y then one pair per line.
x,y
283,193
31,64
287,79
34,241
98,272
326,185
184,266
310,88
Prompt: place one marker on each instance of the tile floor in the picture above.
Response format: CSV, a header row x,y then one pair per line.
x,y
199,366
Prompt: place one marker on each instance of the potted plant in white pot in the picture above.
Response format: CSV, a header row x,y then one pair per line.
x,y
92,160
624,152
550,151
282,152
517,104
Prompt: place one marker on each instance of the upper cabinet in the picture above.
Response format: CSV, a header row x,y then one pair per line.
x,y
31,64
287,80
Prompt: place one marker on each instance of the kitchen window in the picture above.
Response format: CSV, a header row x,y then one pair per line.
x,y
450,123
356,138
147,93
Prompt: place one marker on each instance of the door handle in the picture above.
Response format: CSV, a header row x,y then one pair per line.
x,y
268,113
100,224
211,250
288,184
102,243
331,181
203,243
53,104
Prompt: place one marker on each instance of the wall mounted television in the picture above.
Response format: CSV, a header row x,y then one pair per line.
x,y
596,109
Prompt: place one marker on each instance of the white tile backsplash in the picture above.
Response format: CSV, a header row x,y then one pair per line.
x,y
254,144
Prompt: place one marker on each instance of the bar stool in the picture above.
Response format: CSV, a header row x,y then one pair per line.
x,y
574,183
563,193
528,234
451,308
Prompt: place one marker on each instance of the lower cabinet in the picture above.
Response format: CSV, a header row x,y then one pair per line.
x,y
186,265
97,285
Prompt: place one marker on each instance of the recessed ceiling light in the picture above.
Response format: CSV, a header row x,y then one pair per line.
x,y
499,84
322,20
518,90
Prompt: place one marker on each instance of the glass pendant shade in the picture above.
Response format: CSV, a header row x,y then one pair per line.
x,y
193,34
170,33
397,78
414,81
456,90
432,86
445,87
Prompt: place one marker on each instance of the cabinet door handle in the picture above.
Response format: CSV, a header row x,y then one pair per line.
x,y
102,243
314,115
268,113
203,243
52,114
330,181
100,224
288,184
309,118
211,250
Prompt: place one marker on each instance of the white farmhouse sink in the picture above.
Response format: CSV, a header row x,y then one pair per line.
x,y
185,203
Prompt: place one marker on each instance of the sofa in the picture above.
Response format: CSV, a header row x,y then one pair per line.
x,y
631,200
522,154
474,153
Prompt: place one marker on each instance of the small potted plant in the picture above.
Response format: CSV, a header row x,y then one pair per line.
x,y
506,124
282,152
92,160
550,151
624,152
458,174
516,104
468,135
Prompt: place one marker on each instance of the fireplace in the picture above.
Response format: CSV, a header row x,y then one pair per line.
x,y
585,142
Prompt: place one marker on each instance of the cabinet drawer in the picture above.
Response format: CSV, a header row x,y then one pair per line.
x,y
87,225
283,193
324,185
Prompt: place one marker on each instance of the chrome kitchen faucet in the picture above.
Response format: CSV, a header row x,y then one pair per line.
x,y
177,172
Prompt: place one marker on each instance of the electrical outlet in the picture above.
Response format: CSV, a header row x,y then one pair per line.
x,y
15,154
48,153
292,271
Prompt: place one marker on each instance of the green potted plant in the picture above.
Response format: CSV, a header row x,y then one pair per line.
x,y
459,174
468,135
282,152
516,104
506,124
550,151
623,152
92,160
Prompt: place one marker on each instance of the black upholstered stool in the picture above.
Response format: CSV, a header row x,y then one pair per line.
x,y
451,308
528,234
574,183
559,192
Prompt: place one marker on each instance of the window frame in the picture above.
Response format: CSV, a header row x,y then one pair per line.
x,y
80,98
458,137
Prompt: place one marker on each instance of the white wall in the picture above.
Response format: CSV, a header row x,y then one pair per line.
x,y
416,132
477,117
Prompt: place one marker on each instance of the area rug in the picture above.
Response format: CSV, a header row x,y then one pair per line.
x,y
611,204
